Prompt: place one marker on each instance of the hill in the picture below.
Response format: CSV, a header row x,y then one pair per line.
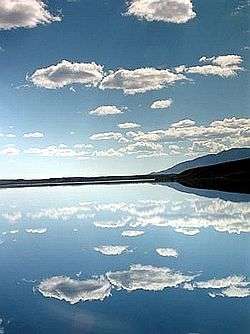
x,y
210,159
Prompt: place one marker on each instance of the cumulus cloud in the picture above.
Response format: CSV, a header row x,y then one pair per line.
x,y
161,104
12,217
140,277
67,73
140,80
195,139
74,291
231,286
111,250
106,110
188,217
36,230
106,136
129,125
223,66
167,252
132,233
234,292
33,135
24,14
10,151
169,11
110,223
61,151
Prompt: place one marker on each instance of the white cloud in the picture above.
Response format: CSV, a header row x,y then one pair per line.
x,y
111,250
195,139
223,66
106,110
33,135
61,151
110,223
12,217
161,104
129,125
24,13
187,230
10,151
234,292
67,73
74,291
222,282
167,252
223,61
231,286
106,136
140,80
132,233
140,277
36,230
170,11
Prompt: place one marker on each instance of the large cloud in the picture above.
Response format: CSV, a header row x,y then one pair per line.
x,y
74,291
67,73
140,80
172,11
140,277
24,13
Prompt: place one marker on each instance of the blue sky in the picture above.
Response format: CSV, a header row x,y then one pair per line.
x,y
190,58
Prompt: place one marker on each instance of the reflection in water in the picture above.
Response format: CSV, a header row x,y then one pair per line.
x,y
111,250
186,216
73,291
139,277
167,252
164,249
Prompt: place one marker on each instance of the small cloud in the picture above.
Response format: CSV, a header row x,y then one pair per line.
x,y
132,233
161,104
110,224
168,11
167,252
33,135
10,151
107,110
129,125
111,250
36,230
106,136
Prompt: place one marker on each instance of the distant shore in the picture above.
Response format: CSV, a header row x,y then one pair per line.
x,y
232,176
73,181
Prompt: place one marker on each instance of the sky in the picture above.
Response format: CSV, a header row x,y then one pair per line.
x,y
97,87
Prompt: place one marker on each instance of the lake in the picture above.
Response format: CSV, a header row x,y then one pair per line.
x,y
123,259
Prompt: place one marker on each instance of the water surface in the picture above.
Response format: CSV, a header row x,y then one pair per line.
x,y
123,259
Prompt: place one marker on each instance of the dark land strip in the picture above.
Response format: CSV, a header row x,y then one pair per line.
x,y
232,176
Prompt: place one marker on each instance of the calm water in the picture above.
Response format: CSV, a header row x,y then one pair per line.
x,y
123,259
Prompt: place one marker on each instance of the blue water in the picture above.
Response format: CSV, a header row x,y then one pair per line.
x,y
57,278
